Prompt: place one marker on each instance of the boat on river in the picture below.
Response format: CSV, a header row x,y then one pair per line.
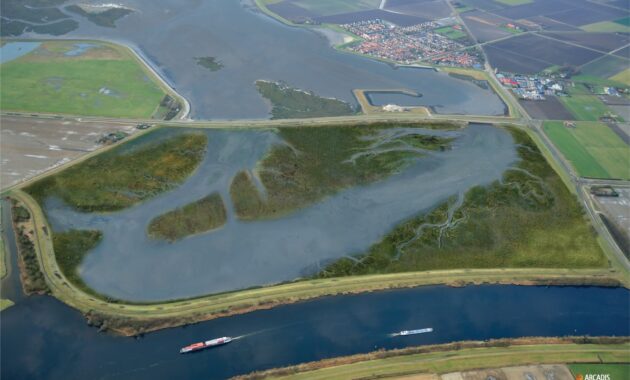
x,y
207,344
414,332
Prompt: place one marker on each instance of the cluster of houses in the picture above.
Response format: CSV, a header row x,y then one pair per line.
x,y
531,87
408,44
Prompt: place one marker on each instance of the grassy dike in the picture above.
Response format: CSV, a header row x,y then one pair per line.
x,y
459,356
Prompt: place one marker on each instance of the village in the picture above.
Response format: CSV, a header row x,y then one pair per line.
x,y
532,87
410,44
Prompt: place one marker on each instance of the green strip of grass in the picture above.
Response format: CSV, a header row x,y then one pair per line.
x,y
529,219
318,162
201,216
115,180
70,249
593,149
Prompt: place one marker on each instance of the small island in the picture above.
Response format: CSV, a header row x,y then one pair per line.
x,y
210,63
197,217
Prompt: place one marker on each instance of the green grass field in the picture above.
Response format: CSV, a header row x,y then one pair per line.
x,y
606,26
593,149
582,104
102,81
616,371
529,219
450,32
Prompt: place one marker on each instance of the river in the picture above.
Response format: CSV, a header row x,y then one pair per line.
x,y
252,46
42,338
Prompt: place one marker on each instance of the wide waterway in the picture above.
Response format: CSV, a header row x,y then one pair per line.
x,y
44,339
129,265
252,46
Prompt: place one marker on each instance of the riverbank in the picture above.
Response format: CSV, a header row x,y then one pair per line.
x,y
459,356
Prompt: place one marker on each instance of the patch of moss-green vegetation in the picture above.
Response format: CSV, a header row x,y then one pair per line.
x,y
290,103
527,219
201,216
114,180
317,162
209,63
248,202
70,249
106,18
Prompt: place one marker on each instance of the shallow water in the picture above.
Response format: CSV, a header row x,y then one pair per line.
x,y
253,46
12,50
128,264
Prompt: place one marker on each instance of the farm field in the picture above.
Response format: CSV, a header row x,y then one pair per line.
x,y
623,77
451,33
331,7
528,54
585,107
606,26
91,79
606,66
593,149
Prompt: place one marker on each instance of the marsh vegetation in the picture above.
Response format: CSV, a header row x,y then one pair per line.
x,y
290,103
116,180
201,216
210,63
527,219
70,249
314,163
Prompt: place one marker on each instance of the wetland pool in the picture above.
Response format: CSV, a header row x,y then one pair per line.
x,y
129,265
252,46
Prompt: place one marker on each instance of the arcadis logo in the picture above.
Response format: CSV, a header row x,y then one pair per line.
x,y
593,376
